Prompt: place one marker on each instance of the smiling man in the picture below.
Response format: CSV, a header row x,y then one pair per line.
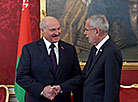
x,y
46,62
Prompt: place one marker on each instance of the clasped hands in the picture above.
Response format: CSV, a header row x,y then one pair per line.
x,y
51,91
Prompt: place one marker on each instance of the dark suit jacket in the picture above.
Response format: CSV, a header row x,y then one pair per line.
x,y
35,71
101,77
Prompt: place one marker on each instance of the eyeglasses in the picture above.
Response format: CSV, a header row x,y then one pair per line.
x,y
88,29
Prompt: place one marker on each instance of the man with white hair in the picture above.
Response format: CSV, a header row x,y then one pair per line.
x,y
101,74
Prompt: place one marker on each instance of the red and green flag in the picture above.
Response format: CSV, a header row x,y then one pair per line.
x,y
24,38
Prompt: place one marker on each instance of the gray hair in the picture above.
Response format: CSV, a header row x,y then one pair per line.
x,y
99,21
42,25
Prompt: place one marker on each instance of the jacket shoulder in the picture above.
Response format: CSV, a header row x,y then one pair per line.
x,y
65,44
33,43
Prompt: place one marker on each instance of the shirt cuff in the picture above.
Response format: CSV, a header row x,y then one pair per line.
x,y
42,93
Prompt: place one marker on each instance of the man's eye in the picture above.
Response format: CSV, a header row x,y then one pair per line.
x,y
85,29
52,30
58,29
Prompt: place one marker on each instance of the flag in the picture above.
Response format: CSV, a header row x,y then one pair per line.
x,y
24,38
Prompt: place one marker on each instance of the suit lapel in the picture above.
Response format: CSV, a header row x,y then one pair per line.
x,y
61,56
89,62
93,63
43,49
97,57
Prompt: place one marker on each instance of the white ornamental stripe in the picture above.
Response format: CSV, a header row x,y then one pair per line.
x,y
130,86
25,4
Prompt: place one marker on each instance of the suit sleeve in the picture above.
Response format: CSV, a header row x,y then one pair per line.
x,y
77,93
78,80
24,74
113,65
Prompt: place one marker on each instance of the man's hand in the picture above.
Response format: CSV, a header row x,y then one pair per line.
x,y
49,92
57,89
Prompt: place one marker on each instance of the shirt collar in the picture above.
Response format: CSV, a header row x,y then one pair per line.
x,y
47,43
102,42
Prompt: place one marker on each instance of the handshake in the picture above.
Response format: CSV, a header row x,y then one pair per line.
x,y
51,91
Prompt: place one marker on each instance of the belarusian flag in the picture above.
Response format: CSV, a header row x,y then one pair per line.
x,y
24,38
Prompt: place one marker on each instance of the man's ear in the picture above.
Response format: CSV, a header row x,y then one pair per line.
x,y
42,30
97,30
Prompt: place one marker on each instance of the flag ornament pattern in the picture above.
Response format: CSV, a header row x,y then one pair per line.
x,y
24,38
25,4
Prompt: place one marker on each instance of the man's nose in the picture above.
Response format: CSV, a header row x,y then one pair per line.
x,y
57,32
84,32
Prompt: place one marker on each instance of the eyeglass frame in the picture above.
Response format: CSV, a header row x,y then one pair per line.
x,y
89,29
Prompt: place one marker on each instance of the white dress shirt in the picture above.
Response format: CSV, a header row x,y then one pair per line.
x,y
47,43
101,43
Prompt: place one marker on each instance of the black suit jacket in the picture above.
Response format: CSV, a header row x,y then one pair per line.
x,y
101,77
35,71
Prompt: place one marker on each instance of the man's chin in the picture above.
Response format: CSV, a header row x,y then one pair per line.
x,y
90,42
55,40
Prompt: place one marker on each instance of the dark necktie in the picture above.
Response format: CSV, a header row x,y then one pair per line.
x,y
53,58
94,53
